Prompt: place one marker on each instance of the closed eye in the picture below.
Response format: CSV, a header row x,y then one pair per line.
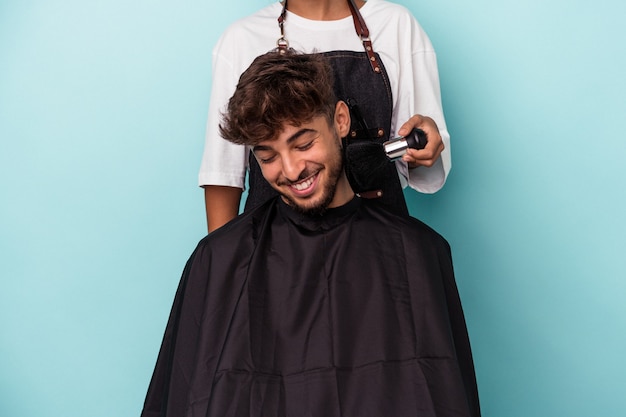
x,y
305,146
265,160
264,154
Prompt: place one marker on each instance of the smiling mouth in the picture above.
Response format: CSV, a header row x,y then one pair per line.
x,y
305,186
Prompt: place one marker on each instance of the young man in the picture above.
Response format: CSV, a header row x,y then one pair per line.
x,y
391,95
317,303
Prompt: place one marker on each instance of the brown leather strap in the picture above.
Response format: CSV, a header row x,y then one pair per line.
x,y
359,25
371,194
282,43
364,34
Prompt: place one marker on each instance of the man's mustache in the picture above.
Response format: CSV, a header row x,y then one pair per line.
x,y
306,173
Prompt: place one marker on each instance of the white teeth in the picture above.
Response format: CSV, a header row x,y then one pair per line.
x,y
303,185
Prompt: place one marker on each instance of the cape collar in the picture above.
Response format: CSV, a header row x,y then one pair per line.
x,y
329,220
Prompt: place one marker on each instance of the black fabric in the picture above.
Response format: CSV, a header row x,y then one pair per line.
x,y
354,79
352,314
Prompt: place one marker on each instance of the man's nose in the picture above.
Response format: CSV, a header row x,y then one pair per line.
x,y
292,167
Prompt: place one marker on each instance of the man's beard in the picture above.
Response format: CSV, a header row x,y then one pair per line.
x,y
335,169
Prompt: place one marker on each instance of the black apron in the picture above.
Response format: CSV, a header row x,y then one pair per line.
x,y
361,80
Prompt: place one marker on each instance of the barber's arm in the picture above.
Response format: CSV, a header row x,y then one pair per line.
x,y
434,145
222,205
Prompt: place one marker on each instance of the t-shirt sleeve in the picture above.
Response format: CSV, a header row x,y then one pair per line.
x,y
223,163
420,93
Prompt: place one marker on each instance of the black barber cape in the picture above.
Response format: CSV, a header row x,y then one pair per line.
x,y
354,313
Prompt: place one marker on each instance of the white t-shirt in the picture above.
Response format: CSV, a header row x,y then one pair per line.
x,y
404,48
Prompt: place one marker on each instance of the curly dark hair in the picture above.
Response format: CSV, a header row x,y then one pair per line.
x,y
278,88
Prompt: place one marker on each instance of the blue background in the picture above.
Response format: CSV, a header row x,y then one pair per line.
x,y
102,113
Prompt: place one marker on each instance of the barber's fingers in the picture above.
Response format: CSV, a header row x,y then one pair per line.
x,y
434,144
418,121
427,156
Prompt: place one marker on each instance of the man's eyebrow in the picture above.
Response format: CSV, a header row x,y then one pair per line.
x,y
290,139
299,133
261,148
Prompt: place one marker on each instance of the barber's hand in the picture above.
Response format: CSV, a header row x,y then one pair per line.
x,y
434,145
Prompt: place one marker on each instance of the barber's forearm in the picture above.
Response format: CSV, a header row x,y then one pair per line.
x,y
221,204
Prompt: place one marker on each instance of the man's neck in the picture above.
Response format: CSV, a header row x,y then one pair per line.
x,y
321,9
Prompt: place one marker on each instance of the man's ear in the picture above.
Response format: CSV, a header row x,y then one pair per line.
x,y
342,119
